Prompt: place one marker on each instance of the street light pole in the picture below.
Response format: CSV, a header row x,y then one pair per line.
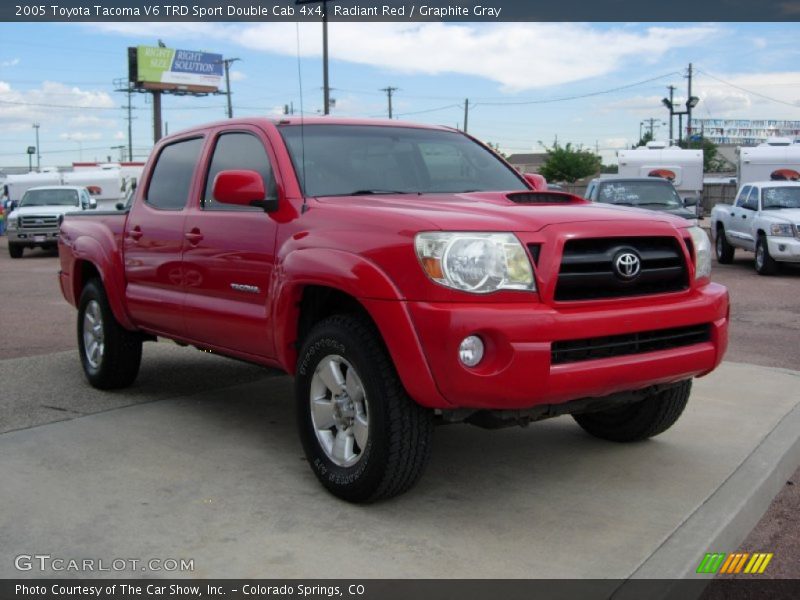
x,y
38,153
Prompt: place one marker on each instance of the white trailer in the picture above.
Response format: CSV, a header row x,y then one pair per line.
x,y
18,184
105,182
684,168
776,160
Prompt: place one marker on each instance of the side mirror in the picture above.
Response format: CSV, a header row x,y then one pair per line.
x,y
536,181
690,201
242,188
92,203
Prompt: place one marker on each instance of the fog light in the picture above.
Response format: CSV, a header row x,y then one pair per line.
x,y
470,352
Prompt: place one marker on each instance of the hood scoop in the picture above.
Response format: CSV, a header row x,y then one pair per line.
x,y
544,198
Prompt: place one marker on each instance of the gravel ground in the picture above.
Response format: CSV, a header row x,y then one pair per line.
x,y
765,327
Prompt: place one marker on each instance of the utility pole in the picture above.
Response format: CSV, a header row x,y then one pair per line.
x,y
326,94
671,89
227,64
651,125
389,91
689,107
123,85
466,113
38,152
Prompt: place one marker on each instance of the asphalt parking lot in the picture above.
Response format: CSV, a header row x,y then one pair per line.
x,y
200,459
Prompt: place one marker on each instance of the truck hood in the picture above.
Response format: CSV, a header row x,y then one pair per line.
x,y
44,211
792,215
490,211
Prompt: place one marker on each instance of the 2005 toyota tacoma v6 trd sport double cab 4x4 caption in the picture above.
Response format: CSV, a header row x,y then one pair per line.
x,y
405,275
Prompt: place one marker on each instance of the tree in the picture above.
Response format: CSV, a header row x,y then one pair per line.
x,y
496,148
712,162
647,137
565,163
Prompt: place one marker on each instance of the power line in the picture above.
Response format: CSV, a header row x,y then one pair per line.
x,y
65,106
429,110
578,96
738,87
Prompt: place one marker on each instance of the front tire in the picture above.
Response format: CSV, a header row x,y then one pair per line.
x,y
723,248
638,420
765,264
363,436
110,354
15,250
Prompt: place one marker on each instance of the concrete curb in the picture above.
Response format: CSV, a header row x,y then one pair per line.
x,y
730,513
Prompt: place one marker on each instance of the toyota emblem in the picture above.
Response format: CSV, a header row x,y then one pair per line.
x,y
627,265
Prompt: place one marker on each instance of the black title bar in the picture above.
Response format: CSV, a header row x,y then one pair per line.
x,y
492,11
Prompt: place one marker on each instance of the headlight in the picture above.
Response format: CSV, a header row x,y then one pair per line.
x,y
475,262
702,252
12,223
781,229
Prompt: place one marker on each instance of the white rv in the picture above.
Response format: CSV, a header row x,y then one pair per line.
x,y
684,168
776,160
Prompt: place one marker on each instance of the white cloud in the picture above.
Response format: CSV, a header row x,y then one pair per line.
x,y
616,143
237,76
119,135
750,95
51,102
81,136
82,121
518,56
13,62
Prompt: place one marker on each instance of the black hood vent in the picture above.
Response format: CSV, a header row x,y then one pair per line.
x,y
543,198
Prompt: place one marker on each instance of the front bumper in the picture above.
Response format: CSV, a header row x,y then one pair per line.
x,y
33,237
517,371
784,249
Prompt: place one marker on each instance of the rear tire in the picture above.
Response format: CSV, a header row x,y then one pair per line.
x,y
363,436
765,264
15,250
639,420
723,248
110,354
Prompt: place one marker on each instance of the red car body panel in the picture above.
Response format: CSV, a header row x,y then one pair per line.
x,y
171,274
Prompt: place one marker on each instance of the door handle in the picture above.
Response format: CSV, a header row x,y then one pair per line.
x,y
136,233
194,236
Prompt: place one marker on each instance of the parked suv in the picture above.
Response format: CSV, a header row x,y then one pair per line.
x,y
653,193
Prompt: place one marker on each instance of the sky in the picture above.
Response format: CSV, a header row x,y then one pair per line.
x,y
528,84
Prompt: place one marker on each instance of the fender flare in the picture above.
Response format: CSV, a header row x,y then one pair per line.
x,y
343,271
108,263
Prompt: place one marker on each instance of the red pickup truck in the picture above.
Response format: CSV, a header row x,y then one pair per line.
x,y
406,276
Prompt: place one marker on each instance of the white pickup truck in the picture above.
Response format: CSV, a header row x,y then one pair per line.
x,y
764,218
36,221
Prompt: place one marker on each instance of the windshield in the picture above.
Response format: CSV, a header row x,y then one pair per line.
x,y
639,193
50,198
343,160
780,197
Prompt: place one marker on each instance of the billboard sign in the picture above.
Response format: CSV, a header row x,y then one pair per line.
x,y
169,69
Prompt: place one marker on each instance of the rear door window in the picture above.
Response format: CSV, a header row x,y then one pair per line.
x,y
173,174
